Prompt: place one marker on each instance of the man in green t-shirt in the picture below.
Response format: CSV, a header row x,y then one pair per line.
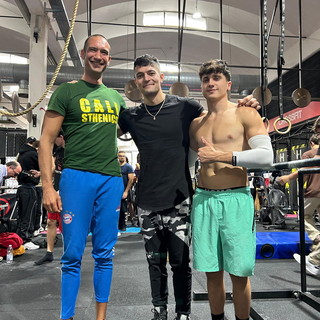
x,y
91,184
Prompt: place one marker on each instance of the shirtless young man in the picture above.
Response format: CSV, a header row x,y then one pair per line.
x,y
228,139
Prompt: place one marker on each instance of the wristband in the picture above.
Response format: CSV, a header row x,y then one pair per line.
x,y
234,161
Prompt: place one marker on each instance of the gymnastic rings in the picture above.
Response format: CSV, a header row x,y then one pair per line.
x,y
266,120
288,128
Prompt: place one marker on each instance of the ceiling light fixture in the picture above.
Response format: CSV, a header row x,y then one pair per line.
x,y
197,14
170,19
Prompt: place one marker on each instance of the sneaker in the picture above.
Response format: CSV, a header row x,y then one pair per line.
x,y
310,267
41,229
48,257
182,317
119,234
297,257
160,313
31,246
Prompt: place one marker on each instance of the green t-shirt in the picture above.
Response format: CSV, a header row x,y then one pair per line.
x,y
91,115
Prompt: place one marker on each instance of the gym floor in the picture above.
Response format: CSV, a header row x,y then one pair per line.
x,y
30,292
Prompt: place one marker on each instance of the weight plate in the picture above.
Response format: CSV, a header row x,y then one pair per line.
x,y
179,89
301,97
267,95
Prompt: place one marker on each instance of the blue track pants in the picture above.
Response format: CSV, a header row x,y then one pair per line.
x,y
91,203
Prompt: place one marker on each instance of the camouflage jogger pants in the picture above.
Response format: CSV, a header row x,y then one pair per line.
x,y
167,237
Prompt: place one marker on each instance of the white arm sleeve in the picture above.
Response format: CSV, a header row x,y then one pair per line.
x,y
259,156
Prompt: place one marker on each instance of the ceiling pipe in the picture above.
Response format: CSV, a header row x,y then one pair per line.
x,y
117,78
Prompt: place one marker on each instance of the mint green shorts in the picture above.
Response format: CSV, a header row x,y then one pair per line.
x,y
223,231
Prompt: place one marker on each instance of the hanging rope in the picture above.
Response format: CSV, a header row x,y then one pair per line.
x,y
281,62
54,77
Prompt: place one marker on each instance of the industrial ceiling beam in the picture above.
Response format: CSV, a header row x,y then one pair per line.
x,y
60,14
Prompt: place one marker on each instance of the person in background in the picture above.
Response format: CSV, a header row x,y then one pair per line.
x,y
132,205
27,196
311,205
128,177
137,171
39,208
8,170
53,218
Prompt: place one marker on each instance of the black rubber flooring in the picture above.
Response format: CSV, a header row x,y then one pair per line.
x,y
29,292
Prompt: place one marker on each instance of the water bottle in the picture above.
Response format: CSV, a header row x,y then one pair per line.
x,y
10,254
